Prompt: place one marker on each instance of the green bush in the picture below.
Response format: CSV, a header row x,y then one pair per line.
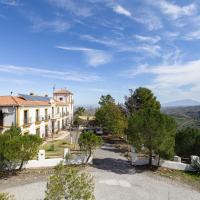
x,y
51,147
69,183
188,142
15,148
6,196
88,142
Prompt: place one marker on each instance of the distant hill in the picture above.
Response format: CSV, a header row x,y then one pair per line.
x,y
182,103
184,116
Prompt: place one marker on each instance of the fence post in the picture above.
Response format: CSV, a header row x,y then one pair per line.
x,y
41,155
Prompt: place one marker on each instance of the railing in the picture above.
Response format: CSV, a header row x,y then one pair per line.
x,y
27,121
47,117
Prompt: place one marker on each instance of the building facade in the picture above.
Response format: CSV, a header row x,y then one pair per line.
x,y
36,114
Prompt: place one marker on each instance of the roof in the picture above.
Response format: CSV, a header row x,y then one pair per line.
x,y
34,97
7,101
19,101
62,91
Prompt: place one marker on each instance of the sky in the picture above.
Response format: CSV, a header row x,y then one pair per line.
x,y
99,47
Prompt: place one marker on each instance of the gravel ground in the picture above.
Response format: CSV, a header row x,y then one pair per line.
x,y
115,179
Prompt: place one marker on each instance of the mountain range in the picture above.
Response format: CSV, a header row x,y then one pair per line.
x,y
182,103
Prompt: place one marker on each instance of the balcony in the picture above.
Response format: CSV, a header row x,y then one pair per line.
x,y
39,119
27,122
47,118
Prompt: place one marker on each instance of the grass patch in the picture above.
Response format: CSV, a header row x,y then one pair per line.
x,y
190,178
56,148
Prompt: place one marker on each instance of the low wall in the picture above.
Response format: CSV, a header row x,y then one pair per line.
x,y
43,163
176,165
55,161
139,160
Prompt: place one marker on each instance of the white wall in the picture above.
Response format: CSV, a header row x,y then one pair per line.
x,y
32,116
9,118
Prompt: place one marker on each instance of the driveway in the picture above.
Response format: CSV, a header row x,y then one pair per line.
x,y
115,179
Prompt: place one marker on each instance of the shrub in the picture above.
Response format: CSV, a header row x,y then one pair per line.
x,y
88,142
69,183
188,142
6,196
51,147
15,149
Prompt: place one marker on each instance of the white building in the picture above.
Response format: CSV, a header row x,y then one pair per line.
x,y
37,114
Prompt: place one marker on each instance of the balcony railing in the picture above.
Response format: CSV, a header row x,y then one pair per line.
x,y
47,117
27,121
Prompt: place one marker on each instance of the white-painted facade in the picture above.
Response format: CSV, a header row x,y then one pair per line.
x,y
43,118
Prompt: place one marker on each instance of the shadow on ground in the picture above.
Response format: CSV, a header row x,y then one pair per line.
x,y
119,166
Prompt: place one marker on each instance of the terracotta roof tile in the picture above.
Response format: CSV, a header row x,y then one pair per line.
x,y
7,101
18,101
62,91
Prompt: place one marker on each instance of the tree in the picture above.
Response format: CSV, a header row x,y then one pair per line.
x,y
141,98
30,146
188,142
79,111
88,142
152,130
69,183
15,149
111,119
106,100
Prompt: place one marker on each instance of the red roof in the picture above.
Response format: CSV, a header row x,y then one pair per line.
x,y
62,91
18,101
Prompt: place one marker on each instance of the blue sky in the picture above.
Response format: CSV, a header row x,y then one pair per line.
x,y
95,47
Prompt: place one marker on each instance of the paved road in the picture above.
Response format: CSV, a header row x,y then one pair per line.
x,y
115,179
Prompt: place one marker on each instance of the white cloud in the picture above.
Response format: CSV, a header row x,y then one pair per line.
x,y
95,57
70,6
151,20
125,44
195,35
173,10
148,50
56,25
178,80
52,74
148,39
9,2
105,40
121,10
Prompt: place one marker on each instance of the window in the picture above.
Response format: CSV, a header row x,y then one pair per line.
x,y
58,110
61,99
37,115
46,131
52,111
26,117
46,114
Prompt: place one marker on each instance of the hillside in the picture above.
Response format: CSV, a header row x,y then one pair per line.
x,y
185,116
